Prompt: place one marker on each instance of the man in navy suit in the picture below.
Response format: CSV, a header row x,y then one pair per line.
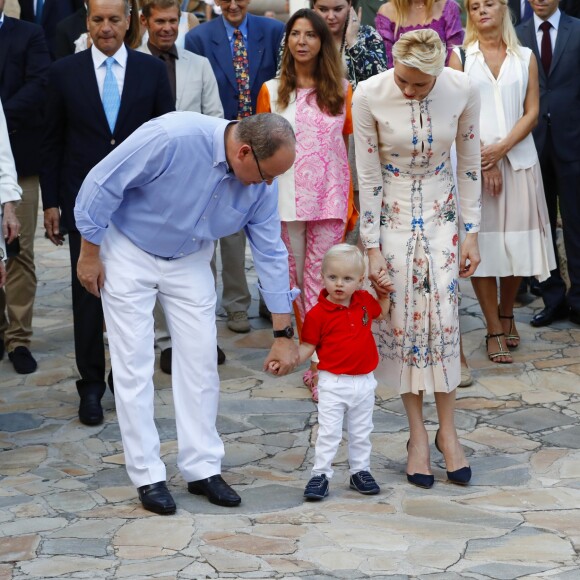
x,y
554,38
24,63
215,40
48,13
80,132
69,30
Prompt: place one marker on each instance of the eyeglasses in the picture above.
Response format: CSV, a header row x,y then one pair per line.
x,y
228,2
258,164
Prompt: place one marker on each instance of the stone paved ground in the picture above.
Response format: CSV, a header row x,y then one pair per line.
x,y
68,510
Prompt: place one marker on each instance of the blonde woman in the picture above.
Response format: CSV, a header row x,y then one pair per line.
x,y
396,17
515,227
405,121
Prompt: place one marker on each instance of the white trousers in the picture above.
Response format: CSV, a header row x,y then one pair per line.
x,y
134,279
340,395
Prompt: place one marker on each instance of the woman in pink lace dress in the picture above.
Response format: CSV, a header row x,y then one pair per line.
x,y
399,16
315,195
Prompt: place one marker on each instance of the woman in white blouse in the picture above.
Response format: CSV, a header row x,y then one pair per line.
x,y
514,239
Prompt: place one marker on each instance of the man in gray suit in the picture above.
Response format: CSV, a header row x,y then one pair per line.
x,y
194,89
555,39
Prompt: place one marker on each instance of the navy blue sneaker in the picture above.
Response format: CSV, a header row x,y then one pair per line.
x,y
364,483
317,487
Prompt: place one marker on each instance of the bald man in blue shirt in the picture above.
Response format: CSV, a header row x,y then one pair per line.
x,y
149,214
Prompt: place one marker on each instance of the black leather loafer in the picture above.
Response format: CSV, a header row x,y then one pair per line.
x,y
549,315
156,498
90,410
216,490
575,317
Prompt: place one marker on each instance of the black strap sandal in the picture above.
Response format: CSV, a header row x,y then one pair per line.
x,y
511,334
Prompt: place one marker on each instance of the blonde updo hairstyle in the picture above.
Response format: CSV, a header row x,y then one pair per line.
x,y
421,49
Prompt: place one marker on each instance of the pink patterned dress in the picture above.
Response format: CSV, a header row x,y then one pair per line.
x,y
314,194
447,26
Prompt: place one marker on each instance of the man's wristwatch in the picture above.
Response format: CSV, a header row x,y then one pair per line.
x,y
287,332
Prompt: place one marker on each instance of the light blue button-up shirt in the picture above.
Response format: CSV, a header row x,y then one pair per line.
x,y
243,28
168,188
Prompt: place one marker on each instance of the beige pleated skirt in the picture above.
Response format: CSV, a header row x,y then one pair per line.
x,y
515,239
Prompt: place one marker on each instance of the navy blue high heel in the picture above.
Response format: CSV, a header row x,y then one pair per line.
x,y
460,476
420,479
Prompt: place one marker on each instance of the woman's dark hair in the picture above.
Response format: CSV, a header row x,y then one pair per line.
x,y
329,71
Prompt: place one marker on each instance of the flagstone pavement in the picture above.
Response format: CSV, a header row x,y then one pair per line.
x,y
68,510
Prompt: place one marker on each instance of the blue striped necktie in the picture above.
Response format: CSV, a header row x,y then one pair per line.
x,y
111,97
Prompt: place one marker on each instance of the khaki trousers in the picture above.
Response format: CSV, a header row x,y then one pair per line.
x,y
17,298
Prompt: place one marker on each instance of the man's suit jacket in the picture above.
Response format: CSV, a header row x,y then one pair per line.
x,y
53,12
196,85
559,90
77,133
264,38
68,30
24,64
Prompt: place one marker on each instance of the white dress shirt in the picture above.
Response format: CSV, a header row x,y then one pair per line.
x,y
554,20
118,68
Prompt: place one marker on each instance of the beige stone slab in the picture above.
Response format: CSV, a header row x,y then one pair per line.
x,y
198,570
333,559
171,533
542,397
556,362
6,571
85,529
32,526
570,469
439,554
117,494
23,458
501,440
287,565
527,500
448,512
151,568
279,530
565,522
504,386
253,544
311,516
536,548
30,510
355,535
59,566
477,403
19,549
232,562
142,552
562,381
363,507
543,460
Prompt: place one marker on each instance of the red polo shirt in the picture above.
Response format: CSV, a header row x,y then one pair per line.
x,y
342,334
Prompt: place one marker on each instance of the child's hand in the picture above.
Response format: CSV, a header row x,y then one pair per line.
x,y
384,281
273,367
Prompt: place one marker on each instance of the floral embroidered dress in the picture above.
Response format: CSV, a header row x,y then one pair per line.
x,y
447,26
408,202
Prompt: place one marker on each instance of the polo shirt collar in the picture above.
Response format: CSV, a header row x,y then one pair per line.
x,y
330,306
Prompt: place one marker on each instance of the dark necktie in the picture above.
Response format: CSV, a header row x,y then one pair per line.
x,y
39,9
527,11
546,47
241,69
170,66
